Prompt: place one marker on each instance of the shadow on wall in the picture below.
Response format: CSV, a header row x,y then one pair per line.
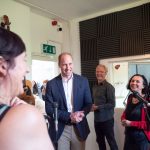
x,y
118,128
91,140
119,131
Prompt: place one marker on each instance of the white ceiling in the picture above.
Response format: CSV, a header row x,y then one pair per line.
x,y
72,9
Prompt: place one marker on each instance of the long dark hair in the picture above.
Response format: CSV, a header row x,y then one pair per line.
x,y
11,45
35,88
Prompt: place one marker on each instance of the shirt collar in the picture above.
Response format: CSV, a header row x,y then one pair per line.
x,y
101,83
66,80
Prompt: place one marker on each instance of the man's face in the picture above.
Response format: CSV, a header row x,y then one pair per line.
x,y
66,65
100,74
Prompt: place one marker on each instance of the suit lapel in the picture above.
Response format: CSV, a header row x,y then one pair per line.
x,y
61,89
75,89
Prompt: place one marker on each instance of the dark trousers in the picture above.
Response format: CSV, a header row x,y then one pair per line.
x,y
136,140
105,129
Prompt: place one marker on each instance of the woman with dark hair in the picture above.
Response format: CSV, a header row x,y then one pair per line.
x,y
135,118
22,126
35,88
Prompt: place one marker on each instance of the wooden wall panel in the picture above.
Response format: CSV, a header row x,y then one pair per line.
x,y
88,70
89,49
147,41
131,43
108,47
130,19
108,25
146,15
88,29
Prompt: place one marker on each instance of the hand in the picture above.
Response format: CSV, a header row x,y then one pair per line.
x,y
94,107
126,123
77,116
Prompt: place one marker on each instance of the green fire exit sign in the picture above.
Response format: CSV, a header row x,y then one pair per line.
x,y
48,49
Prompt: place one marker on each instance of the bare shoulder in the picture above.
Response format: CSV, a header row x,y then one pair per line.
x,y
23,125
23,114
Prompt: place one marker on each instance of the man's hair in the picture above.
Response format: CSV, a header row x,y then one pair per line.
x,y
62,54
105,68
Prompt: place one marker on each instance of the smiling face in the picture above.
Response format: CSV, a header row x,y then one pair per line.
x,y
66,66
16,74
100,73
136,84
13,65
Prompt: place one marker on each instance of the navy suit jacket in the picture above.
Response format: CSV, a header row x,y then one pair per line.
x,y
82,101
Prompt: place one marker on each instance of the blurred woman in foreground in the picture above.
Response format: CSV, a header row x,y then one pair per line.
x,y
22,126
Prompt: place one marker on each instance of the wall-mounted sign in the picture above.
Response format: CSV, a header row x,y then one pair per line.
x,y
48,49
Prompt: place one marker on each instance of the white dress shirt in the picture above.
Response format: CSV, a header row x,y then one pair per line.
x,y
67,84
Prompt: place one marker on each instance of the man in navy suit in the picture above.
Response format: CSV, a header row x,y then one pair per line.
x,y
72,94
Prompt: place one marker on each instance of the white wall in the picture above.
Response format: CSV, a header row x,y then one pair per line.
x,y
75,45
19,16
42,32
36,29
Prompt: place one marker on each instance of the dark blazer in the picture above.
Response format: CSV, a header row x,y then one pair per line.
x,y
81,101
